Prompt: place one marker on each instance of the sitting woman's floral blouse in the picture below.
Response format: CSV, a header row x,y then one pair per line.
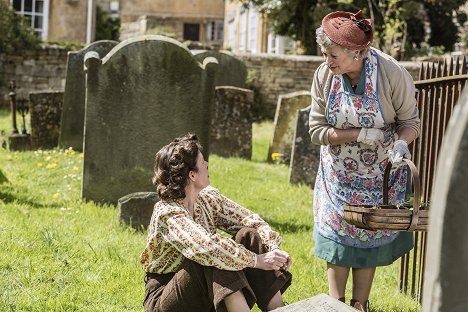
x,y
174,235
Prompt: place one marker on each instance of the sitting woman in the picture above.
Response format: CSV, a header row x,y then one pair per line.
x,y
188,265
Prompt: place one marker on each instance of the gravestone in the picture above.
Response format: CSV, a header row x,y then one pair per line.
x,y
446,273
231,71
135,209
140,96
45,109
231,123
73,111
319,303
285,122
305,156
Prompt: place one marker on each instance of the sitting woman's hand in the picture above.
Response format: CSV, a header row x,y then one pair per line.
x,y
274,260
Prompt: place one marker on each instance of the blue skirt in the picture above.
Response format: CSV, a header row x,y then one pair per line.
x,y
353,257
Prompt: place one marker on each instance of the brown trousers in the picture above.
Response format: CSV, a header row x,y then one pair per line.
x,y
198,288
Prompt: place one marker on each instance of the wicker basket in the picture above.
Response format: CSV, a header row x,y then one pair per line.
x,y
388,217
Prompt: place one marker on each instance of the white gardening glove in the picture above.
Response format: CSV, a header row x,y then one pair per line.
x,y
400,150
370,136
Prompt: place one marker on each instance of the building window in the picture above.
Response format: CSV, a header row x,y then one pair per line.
x,y
231,40
192,32
242,30
214,30
36,13
252,42
280,44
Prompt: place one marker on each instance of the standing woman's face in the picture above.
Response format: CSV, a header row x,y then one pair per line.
x,y
201,178
338,61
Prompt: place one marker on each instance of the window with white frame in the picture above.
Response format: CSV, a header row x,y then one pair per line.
x,y
242,29
231,39
36,13
252,35
214,30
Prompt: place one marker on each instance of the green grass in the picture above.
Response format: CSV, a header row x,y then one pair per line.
x,y
60,254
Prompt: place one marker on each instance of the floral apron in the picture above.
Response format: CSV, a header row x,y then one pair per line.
x,y
352,173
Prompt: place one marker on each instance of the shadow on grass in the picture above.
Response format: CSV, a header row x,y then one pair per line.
x,y
289,227
9,197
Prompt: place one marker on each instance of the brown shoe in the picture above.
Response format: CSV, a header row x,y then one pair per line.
x,y
360,307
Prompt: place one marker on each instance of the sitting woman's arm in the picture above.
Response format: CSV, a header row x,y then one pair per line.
x,y
231,217
197,244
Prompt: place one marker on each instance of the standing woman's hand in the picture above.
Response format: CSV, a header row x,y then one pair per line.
x,y
274,260
371,136
400,150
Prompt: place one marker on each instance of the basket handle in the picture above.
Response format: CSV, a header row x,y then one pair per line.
x,y
417,190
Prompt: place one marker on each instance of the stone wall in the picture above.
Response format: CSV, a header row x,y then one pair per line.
x,y
272,75
43,69
269,75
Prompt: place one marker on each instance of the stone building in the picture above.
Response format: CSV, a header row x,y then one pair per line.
x,y
246,30
199,21
70,20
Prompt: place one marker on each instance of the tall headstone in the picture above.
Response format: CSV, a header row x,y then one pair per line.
x,y
285,123
142,94
73,111
305,156
45,109
231,71
231,123
446,274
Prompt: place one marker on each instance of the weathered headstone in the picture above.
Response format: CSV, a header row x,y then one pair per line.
x,y
305,156
45,109
319,303
73,112
446,273
231,71
136,209
141,95
231,123
285,122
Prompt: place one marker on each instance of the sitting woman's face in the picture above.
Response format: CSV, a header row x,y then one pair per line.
x,y
338,60
202,178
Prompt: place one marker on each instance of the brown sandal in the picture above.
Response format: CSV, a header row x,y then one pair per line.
x,y
358,306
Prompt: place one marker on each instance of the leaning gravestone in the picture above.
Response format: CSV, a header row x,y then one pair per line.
x,y
231,123
141,95
231,71
305,156
73,111
319,303
136,209
45,109
285,122
446,274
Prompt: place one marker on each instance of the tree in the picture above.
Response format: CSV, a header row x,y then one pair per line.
x,y
15,34
107,28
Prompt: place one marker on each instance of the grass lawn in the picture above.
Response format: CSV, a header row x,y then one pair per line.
x,y
60,254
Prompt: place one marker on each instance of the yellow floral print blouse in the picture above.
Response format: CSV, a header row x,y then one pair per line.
x,y
174,235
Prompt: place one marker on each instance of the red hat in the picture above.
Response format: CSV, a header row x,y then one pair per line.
x,y
349,30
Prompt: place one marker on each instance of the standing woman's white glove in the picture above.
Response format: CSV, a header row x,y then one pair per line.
x,y
400,150
371,136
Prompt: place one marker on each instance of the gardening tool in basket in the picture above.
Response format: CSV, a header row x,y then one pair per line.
x,y
391,217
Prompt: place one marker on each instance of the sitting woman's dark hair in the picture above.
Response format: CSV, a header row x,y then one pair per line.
x,y
173,164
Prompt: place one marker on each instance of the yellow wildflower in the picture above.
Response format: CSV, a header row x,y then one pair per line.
x,y
276,156
76,168
56,196
48,158
81,155
40,164
52,166
70,151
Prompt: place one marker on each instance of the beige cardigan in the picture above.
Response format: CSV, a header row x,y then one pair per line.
x,y
396,94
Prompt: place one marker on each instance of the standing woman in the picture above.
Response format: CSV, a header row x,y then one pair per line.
x,y
188,265
363,115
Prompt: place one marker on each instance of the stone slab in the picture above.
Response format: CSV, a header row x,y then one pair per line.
x,y
73,111
135,209
319,303
285,123
45,109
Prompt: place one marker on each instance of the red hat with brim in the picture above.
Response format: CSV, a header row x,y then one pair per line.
x,y
349,30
